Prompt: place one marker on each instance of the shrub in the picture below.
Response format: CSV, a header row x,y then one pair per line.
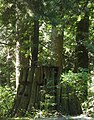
x,y
6,99
77,83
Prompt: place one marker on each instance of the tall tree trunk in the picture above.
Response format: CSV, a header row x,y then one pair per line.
x,y
23,99
81,50
35,44
57,46
26,82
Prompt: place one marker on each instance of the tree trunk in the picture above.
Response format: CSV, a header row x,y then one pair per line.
x,y
24,96
81,37
57,48
34,61
81,50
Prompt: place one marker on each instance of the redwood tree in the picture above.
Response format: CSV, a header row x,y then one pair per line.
x,y
82,59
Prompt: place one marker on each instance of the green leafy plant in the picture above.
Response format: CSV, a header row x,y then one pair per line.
x,y
77,83
6,99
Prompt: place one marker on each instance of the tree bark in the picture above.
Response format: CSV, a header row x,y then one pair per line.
x,y
81,50
23,99
34,61
81,37
57,48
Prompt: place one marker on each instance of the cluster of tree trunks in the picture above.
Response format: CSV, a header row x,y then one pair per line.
x,y
45,90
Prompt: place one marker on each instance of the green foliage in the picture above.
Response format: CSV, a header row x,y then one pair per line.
x,y
7,68
6,99
88,105
76,83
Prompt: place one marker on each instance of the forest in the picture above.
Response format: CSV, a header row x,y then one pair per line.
x,y
46,59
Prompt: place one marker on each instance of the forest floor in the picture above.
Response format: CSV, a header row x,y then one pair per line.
x,y
81,117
